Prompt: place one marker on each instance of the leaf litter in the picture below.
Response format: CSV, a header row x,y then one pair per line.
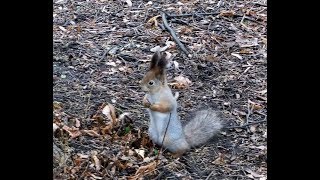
x,y
108,44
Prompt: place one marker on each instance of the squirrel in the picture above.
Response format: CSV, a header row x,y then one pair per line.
x,y
162,106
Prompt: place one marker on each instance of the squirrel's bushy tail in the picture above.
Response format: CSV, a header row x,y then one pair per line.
x,y
204,125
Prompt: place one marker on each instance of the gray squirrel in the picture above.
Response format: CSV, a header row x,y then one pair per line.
x,y
162,105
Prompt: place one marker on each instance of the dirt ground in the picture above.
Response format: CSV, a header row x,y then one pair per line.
x,y
101,50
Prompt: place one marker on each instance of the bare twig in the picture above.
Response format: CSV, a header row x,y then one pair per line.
x,y
210,175
241,22
249,112
164,136
260,4
173,34
104,54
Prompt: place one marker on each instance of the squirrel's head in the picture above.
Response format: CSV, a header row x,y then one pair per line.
x,y
155,78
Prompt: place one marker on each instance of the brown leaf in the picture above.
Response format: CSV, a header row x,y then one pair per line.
x,y
211,58
153,21
146,169
140,152
113,114
227,13
96,161
246,51
125,69
257,107
73,132
109,111
121,165
181,82
99,119
145,141
57,105
107,129
77,161
220,160
123,115
91,133
77,123
185,30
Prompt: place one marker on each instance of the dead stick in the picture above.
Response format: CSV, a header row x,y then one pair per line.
x,y
210,175
164,136
173,34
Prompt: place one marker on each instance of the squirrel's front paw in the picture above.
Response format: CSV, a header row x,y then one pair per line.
x,y
146,102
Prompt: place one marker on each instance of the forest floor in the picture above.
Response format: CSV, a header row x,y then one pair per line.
x,y
101,50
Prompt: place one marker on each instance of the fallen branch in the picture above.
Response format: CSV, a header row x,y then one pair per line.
x,y
173,34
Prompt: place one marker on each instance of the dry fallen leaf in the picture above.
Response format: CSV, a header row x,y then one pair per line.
x,y
109,111
57,105
140,152
154,21
220,160
211,58
77,123
125,69
91,133
73,132
227,13
107,129
121,165
146,169
185,30
254,105
96,160
181,82
123,115
246,51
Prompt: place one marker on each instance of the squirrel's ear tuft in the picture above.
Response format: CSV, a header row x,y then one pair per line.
x,y
155,58
162,62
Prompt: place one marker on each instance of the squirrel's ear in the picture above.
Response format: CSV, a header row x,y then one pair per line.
x,y
162,62
155,58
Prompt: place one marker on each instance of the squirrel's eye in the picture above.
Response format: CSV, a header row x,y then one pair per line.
x,y
151,83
